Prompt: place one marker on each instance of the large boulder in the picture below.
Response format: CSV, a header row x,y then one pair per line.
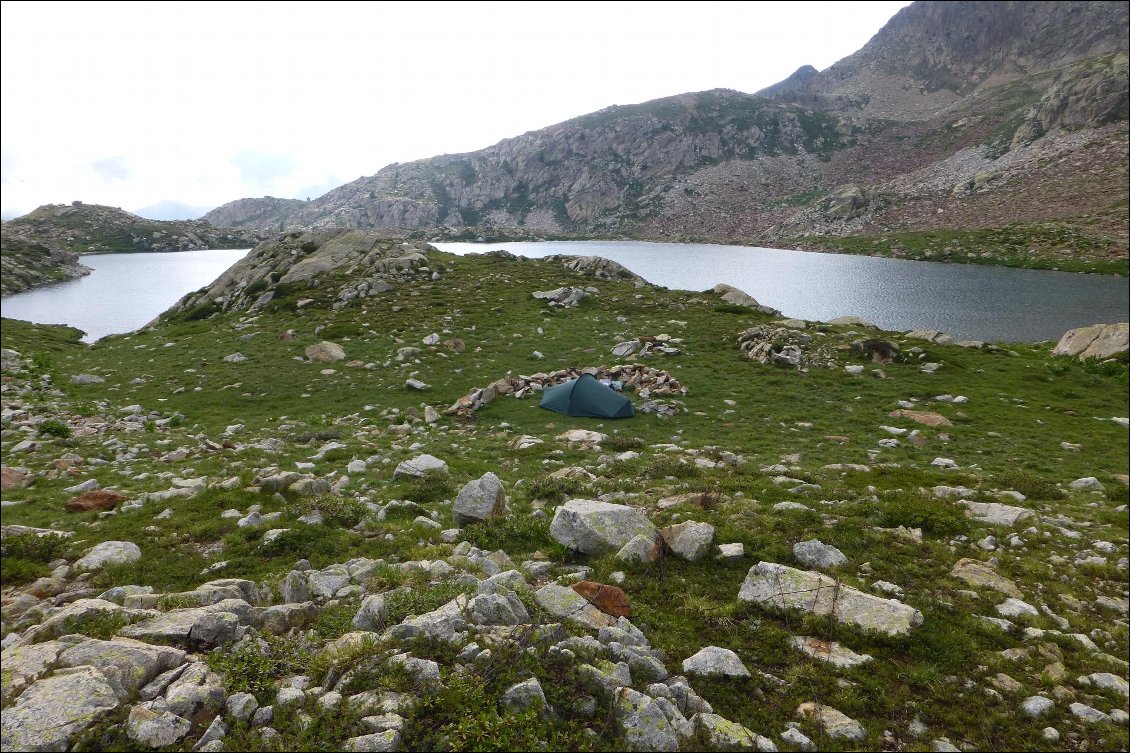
x,y
325,352
156,730
52,712
480,499
690,539
108,553
782,587
737,297
213,625
643,722
567,604
127,664
1096,341
714,661
595,527
815,553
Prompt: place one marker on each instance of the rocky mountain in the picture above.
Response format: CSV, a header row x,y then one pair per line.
x,y
40,247
933,53
954,117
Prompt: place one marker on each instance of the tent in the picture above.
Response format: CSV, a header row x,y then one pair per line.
x,y
586,396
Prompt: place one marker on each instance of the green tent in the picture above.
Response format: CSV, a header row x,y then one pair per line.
x,y
586,397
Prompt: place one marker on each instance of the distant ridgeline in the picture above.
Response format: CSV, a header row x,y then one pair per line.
x,y
955,119
41,247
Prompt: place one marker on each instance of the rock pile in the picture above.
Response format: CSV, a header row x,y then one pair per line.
x,y
644,380
784,346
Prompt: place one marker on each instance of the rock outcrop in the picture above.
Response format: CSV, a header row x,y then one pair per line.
x,y
1096,341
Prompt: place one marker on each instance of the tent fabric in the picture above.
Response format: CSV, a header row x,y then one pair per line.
x,y
585,396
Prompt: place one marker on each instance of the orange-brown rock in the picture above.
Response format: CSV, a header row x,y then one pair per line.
x,y
102,499
924,417
12,479
608,599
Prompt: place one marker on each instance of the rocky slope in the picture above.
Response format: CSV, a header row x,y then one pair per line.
x,y
955,116
39,247
254,526
933,52
26,264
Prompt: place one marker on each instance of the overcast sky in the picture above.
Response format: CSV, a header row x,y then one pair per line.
x,y
130,104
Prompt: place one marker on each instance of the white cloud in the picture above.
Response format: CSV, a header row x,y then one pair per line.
x,y
209,102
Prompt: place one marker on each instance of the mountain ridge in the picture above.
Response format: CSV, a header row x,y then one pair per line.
x,y
979,109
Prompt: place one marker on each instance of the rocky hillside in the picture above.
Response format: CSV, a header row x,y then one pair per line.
x,y
934,52
26,264
336,518
34,243
955,116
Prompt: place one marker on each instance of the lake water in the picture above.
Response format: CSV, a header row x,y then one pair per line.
x,y
127,291
967,301
123,293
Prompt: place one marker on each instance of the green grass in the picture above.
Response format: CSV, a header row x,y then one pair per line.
x,y
1066,246
1023,405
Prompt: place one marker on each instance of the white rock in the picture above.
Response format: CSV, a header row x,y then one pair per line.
x,y
713,661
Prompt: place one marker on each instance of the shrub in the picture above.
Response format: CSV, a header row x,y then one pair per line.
x,y
342,511
1029,484
401,604
618,443
101,625
433,486
334,622
664,466
517,533
253,667
55,428
31,546
554,488
932,515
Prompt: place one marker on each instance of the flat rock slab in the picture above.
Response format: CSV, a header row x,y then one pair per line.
x,y
135,663
979,574
598,527
23,665
994,513
49,714
829,651
419,465
212,624
782,587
